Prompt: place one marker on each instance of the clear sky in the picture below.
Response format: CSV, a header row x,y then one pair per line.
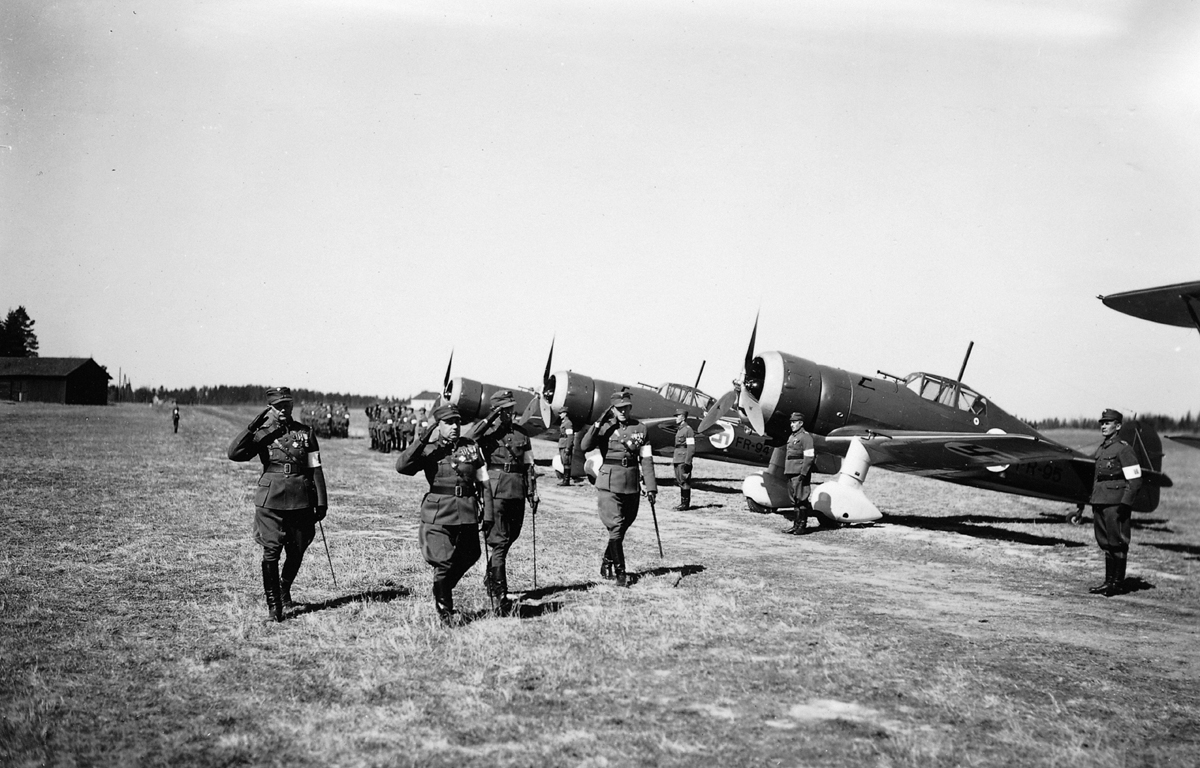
x,y
334,195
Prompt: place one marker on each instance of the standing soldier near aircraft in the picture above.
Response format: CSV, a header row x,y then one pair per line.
x,y
1118,479
290,499
622,442
797,470
175,417
513,479
566,447
450,511
685,451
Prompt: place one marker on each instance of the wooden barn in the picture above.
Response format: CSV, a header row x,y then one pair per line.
x,y
70,380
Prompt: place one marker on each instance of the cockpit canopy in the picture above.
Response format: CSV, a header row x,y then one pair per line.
x,y
681,393
939,389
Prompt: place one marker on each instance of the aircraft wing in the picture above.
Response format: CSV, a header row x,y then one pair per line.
x,y
933,451
1177,304
1192,440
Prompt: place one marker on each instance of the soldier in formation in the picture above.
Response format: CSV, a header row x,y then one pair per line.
x,y
290,499
566,447
175,417
513,479
1118,479
797,470
681,460
628,465
459,496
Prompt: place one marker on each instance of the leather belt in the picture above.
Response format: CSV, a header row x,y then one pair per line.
x,y
285,469
622,462
509,466
1110,477
453,490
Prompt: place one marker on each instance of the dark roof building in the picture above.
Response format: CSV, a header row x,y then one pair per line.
x,y
70,380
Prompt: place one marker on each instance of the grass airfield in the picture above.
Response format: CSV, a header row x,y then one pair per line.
x,y
957,632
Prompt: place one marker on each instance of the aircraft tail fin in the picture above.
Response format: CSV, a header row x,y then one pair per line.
x,y
1148,447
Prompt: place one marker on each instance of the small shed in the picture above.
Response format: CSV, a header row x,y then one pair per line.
x,y
69,380
425,400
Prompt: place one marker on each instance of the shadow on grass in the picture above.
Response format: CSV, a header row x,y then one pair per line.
x,y
683,570
1187,549
982,527
1135,584
370,596
701,485
584,586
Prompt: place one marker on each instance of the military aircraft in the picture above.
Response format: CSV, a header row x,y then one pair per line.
x,y
922,423
1177,305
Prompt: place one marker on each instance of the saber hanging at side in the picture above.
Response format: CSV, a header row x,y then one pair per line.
x,y
327,556
654,517
533,505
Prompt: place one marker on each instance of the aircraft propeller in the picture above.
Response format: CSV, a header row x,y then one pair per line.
x,y
543,401
746,400
446,378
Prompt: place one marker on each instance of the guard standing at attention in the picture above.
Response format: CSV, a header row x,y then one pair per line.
x,y
291,496
685,451
797,470
621,440
566,447
175,417
513,479
1118,479
459,496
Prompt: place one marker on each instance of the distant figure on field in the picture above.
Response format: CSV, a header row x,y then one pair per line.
x,y
1118,478
175,418
290,499
621,440
566,447
459,495
797,470
685,451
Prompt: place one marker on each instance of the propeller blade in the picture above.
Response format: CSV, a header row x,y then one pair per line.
x,y
547,411
446,379
750,406
532,410
549,357
698,375
750,349
718,409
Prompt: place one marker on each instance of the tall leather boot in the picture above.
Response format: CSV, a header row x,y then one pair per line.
x,y
799,522
1118,579
619,564
1109,571
287,575
606,565
685,500
443,600
501,605
270,574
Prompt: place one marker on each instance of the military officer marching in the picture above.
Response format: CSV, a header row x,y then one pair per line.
x,y
681,460
459,496
797,471
291,497
513,479
1118,479
628,458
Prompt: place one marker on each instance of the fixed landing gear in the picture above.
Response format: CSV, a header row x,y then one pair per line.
x,y
1076,517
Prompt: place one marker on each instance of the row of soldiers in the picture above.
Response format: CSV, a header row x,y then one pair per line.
x,y
393,427
327,419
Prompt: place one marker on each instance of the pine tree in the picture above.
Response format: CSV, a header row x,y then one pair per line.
x,y
17,338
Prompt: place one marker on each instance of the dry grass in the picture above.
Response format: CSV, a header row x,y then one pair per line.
x,y
958,632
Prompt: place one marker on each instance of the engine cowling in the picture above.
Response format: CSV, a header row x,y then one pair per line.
x,y
783,384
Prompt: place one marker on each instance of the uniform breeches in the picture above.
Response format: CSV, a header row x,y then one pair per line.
x,y
683,476
798,489
506,528
450,549
1112,524
617,511
280,530
565,455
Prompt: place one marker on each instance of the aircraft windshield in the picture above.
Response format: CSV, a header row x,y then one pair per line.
x,y
686,395
940,390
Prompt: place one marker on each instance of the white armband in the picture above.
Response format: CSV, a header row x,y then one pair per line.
x,y
689,441
810,453
1132,473
528,457
569,432
647,452
314,459
481,475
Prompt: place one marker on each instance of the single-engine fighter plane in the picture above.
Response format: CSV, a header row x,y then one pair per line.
x,y
922,423
1177,305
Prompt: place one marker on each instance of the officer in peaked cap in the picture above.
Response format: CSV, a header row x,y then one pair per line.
x,y
1118,479
459,496
628,457
797,470
513,479
291,496
681,460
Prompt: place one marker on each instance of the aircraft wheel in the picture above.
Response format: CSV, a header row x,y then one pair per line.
x,y
1076,517
755,507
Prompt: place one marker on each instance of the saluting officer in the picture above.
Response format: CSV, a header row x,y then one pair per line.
x,y
685,451
291,496
627,457
566,446
513,479
450,511
1118,479
797,470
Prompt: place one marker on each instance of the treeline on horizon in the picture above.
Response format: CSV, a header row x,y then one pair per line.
x,y
248,394
1160,422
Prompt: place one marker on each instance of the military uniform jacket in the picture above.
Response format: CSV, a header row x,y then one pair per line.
x,y
1118,473
292,476
626,453
800,454
566,434
509,457
685,445
452,499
